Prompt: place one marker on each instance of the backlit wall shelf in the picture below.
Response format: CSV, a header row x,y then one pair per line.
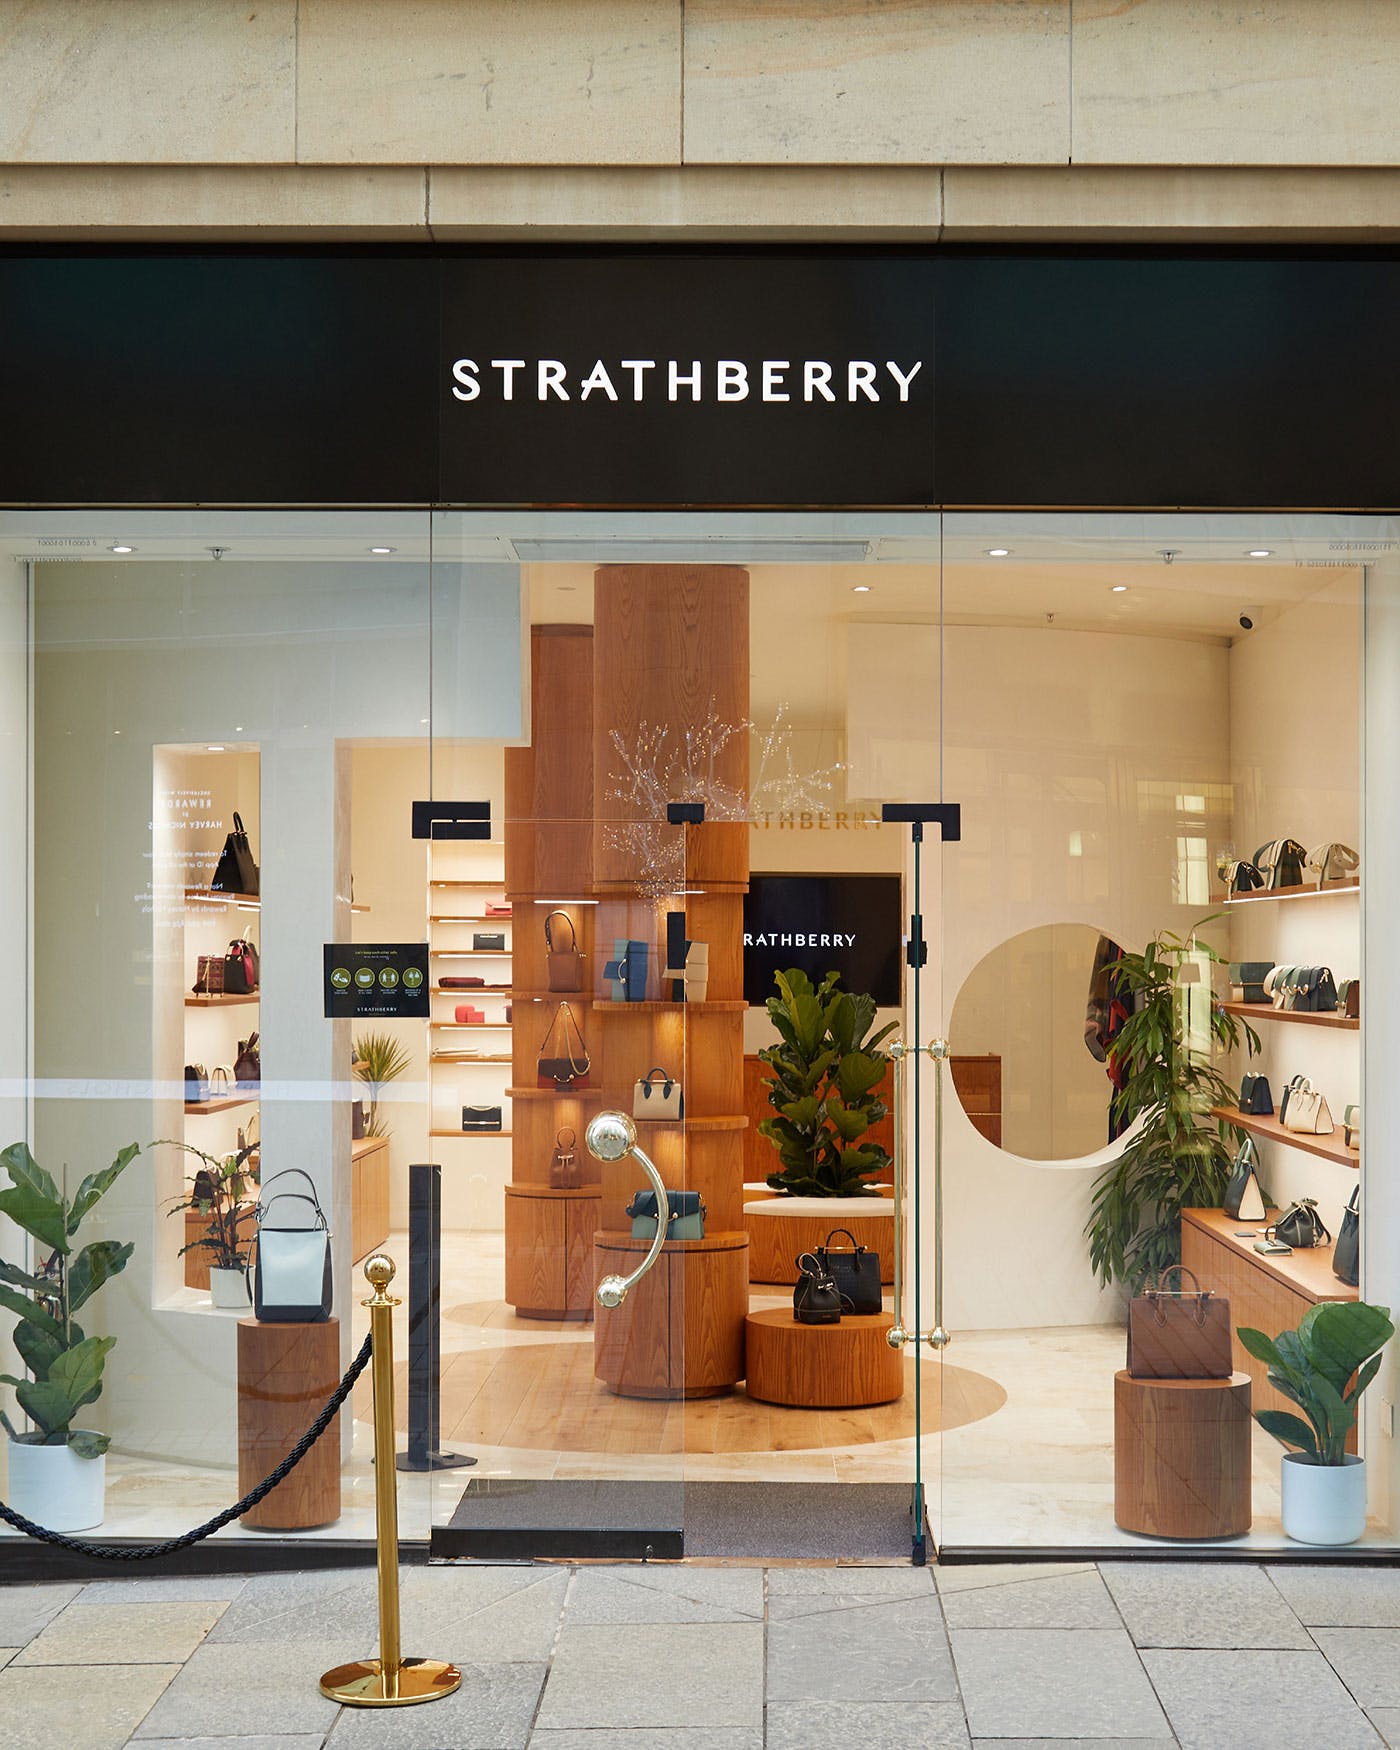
x,y
1328,1148
1300,1017
219,1000
446,896
1293,893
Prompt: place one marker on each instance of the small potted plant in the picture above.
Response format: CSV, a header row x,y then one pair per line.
x,y
379,1059
218,1194
57,1471
1323,1367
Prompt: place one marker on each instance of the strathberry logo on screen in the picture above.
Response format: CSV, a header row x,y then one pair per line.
x,y
720,380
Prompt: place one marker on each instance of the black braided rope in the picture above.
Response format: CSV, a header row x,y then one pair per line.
x,y
145,1552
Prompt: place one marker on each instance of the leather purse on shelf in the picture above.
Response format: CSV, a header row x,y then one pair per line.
x,y
1300,1226
241,968
209,976
1308,1113
1333,862
1241,876
563,962
1280,862
488,941
247,1066
1176,1333
1311,990
236,872
1290,1088
685,1215
1275,985
1247,980
461,981
563,1060
657,1101
855,1270
627,971
196,1084
499,908
816,1300
486,1118
563,1163
1351,1126
1256,1097
1244,1200
1349,999
221,1083
1346,1254
292,1265
468,1015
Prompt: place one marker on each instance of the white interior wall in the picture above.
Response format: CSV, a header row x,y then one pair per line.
x,y
14,893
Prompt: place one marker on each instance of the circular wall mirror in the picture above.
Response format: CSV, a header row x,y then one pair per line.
x,y
1027,1041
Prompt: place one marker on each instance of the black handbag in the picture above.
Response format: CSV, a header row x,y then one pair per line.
x,y
247,1066
816,1300
1346,1254
1256,1097
856,1272
242,968
236,871
1242,877
196,1084
1312,990
488,940
481,1118
1244,1199
1281,862
1247,980
1300,1226
1293,1082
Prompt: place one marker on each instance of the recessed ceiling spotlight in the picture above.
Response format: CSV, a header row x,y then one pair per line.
x,y
998,552
238,729
215,747
1260,553
1120,588
422,719
860,589
381,550
121,548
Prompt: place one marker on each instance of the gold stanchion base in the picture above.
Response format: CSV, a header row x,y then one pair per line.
x,y
361,1684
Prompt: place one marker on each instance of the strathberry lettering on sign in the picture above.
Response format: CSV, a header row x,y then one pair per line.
x,y
798,939
775,380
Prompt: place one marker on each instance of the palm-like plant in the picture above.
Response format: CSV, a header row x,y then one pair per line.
x,y
379,1059
1178,1156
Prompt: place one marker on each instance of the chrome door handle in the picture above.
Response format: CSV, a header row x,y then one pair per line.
x,y
610,1137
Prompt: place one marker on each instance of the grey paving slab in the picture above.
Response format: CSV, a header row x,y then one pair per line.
x,y
121,1634
1201,1604
1367,1660
37,1705
1256,1699
660,1738
24,1610
1070,1743
1056,1601
222,1692
1055,1683
193,1589
645,1593
872,1725
967,1577
1386,1720
6,1654
602,1679
794,1592
882,1651
1343,1597
294,1741
491,1711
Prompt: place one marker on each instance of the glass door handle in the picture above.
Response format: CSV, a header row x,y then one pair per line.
x,y
611,1136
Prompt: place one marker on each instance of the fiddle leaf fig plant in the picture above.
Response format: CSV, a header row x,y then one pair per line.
x,y
824,1076
64,1364
1314,1366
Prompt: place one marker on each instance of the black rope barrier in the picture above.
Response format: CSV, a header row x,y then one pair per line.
x,y
114,1552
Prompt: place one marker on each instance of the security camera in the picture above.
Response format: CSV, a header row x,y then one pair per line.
x,y
1248,619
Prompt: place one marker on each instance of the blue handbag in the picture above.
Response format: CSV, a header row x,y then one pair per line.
x,y
627,971
686,1211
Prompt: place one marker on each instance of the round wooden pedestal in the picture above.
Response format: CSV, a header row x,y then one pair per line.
x,y
821,1367
285,1375
781,1228
1181,1456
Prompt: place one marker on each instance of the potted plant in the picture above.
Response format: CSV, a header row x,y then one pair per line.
x,y
1177,1156
824,1074
1323,1367
218,1194
379,1059
57,1472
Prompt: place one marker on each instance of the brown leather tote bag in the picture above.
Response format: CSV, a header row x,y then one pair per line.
x,y
1178,1333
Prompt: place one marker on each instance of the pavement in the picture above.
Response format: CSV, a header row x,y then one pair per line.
x,y
1118,1656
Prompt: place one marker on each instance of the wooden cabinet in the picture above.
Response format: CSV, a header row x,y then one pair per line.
x,y
977,1083
680,1332
285,1374
369,1195
549,1250
1268,1294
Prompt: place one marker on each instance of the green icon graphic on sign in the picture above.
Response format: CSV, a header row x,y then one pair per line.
x,y
388,977
412,977
364,977
340,978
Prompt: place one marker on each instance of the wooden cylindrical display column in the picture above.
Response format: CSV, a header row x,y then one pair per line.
x,y
285,1375
1181,1456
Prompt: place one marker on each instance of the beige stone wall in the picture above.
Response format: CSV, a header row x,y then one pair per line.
x,y
959,119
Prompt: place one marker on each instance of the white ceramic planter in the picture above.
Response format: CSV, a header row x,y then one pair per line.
x,y
1324,1503
228,1289
54,1487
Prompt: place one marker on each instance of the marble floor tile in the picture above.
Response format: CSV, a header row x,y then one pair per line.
x,y
650,1593
1256,1699
652,1738
873,1725
25,1610
121,1634
491,1711
1058,1601
971,1576
876,1651
1057,1683
1201,1604
214,1697
38,1710
602,1679
1367,1660
1343,1597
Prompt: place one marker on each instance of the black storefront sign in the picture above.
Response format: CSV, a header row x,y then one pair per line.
x,y
839,378
376,981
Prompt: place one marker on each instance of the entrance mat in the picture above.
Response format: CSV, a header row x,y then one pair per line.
x,y
508,1519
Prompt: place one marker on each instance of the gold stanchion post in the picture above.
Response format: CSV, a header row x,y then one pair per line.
x,y
390,1680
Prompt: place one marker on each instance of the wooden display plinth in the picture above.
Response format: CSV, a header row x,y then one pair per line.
x,y
849,1366
680,1332
549,1250
785,1227
285,1375
1181,1456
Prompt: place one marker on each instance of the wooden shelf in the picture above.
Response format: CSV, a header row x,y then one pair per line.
x,y
470,953
1294,893
726,1006
219,1001
553,996
471,1026
497,886
197,1108
1306,1017
470,1135
216,896
465,1057
463,991
1270,1130
470,917
1307,1272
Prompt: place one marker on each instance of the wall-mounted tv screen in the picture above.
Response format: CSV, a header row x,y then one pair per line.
x,y
849,924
